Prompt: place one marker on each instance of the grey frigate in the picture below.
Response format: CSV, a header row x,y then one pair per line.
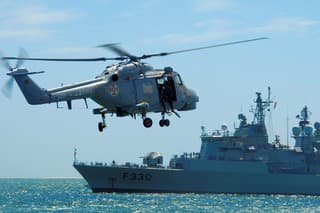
x,y
242,162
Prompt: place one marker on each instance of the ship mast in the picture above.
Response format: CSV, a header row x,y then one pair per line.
x,y
259,113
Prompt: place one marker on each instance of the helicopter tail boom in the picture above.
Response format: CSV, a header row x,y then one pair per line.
x,y
31,91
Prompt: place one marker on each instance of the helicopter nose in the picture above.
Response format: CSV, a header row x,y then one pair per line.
x,y
192,96
191,99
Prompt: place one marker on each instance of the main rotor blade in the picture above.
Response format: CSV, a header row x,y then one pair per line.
x,y
7,89
117,50
201,48
63,59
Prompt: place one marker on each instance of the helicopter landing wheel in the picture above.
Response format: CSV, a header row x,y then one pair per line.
x,y
147,122
166,122
101,126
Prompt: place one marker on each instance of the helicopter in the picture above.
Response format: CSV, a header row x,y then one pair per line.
x,y
129,87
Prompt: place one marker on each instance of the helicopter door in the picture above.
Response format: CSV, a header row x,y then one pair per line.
x,y
165,84
147,91
169,83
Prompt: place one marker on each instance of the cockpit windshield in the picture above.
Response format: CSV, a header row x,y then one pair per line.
x,y
178,79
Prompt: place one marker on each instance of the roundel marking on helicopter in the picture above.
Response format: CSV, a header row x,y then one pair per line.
x,y
27,81
113,89
147,88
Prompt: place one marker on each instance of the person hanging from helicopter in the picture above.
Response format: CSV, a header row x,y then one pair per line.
x,y
163,96
170,92
167,93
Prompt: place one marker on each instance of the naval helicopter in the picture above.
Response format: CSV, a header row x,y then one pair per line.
x,y
129,87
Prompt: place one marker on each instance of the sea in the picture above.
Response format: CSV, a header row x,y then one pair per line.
x,y
73,195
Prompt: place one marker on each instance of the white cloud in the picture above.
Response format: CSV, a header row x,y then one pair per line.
x,y
23,33
213,29
213,5
213,23
286,24
31,22
37,17
70,50
191,38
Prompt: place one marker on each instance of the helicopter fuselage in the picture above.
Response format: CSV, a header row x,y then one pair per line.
x,y
132,88
126,93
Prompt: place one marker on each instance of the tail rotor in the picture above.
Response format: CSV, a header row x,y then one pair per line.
x,y
7,88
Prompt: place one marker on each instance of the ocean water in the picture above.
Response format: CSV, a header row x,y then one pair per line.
x,y
73,195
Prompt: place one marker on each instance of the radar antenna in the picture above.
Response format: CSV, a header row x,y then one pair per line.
x,y
304,116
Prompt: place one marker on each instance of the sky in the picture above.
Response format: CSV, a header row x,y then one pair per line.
x,y
38,141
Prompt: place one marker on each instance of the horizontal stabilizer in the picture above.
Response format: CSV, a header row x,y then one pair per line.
x,y
23,72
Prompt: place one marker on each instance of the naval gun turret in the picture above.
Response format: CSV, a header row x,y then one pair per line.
x,y
153,159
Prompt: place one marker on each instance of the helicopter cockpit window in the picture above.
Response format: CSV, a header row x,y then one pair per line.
x,y
178,79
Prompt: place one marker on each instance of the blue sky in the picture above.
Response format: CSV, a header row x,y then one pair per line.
x,y
38,141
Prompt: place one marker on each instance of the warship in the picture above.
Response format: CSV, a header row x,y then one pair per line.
x,y
243,162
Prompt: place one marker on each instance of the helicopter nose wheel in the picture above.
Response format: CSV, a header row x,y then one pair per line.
x,y
102,125
147,122
164,122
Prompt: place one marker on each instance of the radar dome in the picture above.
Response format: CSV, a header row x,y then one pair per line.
x,y
317,125
296,131
224,127
153,155
308,130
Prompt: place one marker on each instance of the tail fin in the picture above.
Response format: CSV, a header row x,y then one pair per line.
x,y
31,91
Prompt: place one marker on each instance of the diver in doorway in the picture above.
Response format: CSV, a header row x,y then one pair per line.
x,y
170,92
163,97
167,94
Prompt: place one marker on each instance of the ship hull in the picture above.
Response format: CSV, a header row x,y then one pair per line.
x,y
220,179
